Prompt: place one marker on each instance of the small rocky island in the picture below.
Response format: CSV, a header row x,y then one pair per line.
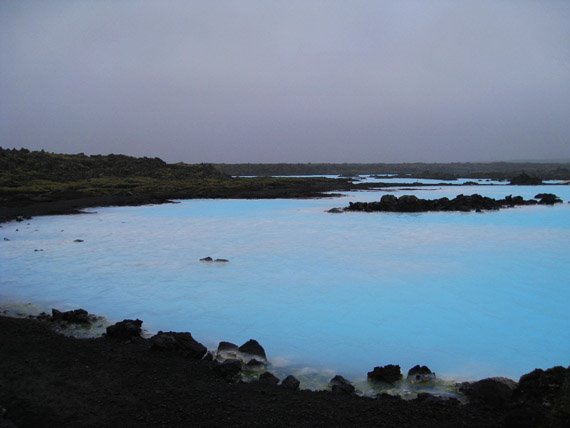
x,y
464,203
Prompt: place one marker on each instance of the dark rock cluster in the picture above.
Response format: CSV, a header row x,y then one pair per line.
x,y
210,259
464,203
76,316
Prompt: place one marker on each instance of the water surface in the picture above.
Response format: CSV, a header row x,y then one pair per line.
x,y
470,295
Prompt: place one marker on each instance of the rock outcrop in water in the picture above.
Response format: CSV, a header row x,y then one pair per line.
x,y
253,348
420,374
387,374
464,203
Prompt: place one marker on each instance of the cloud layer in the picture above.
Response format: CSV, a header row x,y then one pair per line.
x,y
291,81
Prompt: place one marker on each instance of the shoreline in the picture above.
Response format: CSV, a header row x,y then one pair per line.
x,y
119,376
313,378
131,382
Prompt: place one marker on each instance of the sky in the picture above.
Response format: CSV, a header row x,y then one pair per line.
x,y
288,81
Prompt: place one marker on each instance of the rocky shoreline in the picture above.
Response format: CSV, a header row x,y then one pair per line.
x,y
47,379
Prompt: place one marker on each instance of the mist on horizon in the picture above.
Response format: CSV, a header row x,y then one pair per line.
x,y
296,81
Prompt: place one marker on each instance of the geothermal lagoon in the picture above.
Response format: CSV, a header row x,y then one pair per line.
x,y
471,295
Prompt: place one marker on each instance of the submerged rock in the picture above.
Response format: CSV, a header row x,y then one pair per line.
x,y
183,343
336,211
291,383
207,259
252,347
125,329
420,374
387,374
221,260
78,240
339,385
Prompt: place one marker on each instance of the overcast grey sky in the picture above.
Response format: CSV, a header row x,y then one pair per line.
x,y
288,81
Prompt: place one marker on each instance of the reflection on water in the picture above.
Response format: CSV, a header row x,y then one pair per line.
x,y
470,295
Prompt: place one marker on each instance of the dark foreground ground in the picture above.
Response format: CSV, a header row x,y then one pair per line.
x,y
51,380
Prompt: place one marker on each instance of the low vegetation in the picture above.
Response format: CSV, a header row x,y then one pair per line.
x,y
28,177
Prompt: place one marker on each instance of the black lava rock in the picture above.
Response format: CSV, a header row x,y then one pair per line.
x,y
291,383
183,343
77,316
339,385
229,369
125,329
252,347
492,392
386,374
420,374
268,378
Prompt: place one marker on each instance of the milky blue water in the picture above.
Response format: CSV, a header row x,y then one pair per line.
x,y
470,295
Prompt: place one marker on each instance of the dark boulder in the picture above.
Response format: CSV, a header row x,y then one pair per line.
x,y
252,347
542,398
125,329
182,343
221,260
207,259
291,383
493,392
229,369
547,199
339,385
78,240
77,316
268,378
420,374
387,374
227,347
